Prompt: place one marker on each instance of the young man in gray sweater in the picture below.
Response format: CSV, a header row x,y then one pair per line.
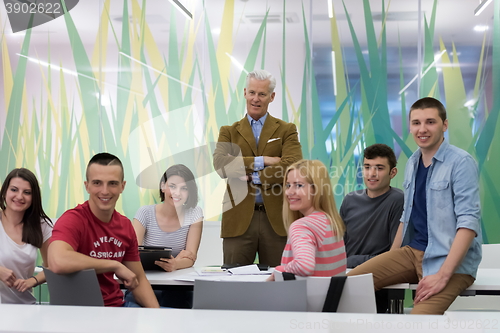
x,y
372,215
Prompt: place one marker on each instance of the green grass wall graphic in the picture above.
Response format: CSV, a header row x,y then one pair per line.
x,y
54,121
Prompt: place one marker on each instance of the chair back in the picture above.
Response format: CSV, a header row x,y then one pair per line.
x,y
480,302
79,288
358,294
260,296
490,256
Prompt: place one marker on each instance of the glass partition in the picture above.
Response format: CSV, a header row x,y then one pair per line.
x,y
148,83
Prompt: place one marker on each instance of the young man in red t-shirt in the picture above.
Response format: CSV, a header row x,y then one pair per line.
x,y
94,235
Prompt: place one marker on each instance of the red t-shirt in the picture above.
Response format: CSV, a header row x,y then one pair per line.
x,y
115,240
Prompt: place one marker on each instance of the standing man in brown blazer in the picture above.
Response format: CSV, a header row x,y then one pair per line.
x,y
253,154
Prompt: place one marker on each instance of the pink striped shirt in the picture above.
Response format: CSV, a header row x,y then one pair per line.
x,y
312,249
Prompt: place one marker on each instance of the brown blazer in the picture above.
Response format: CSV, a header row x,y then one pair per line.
x,y
234,158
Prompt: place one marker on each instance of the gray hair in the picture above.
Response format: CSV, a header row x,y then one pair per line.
x,y
261,75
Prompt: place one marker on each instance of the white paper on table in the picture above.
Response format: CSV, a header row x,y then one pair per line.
x,y
211,271
248,270
245,278
187,277
241,278
241,273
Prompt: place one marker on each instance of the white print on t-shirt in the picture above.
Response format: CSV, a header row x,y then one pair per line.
x,y
107,254
105,239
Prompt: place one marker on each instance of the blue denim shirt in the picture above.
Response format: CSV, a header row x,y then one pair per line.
x,y
452,189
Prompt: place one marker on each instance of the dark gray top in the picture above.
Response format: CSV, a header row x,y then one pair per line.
x,y
371,223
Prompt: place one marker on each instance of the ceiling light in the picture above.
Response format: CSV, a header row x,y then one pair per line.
x,y
330,9
481,28
159,72
70,72
180,7
436,58
237,63
470,103
105,100
54,67
482,6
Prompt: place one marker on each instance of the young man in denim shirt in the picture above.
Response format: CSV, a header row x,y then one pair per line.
x,y
438,242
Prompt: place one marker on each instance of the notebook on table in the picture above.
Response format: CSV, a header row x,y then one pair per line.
x,y
150,254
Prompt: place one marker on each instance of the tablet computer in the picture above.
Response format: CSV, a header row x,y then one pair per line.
x,y
149,254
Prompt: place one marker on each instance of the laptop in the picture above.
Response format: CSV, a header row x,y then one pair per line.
x,y
150,254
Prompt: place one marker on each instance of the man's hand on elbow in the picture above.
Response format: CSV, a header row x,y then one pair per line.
x,y
245,178
271,160
128,277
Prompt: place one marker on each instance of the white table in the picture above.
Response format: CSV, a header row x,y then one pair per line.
x,y
72,319
487,280
162,278
487,283
159,279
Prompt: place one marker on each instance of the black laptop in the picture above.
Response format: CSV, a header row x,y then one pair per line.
x,y
150,254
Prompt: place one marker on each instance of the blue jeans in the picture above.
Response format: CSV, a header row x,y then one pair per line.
x,y
131,303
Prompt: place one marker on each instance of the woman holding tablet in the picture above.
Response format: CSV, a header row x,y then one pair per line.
x,y
315,246
177,222
24,229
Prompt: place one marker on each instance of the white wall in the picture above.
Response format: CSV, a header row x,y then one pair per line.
x,y
210,251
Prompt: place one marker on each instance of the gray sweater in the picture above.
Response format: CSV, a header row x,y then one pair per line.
x,y
371,223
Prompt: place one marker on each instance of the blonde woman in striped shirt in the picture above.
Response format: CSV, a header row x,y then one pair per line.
x,y
315,246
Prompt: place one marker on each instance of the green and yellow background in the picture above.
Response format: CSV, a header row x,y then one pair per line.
x,y
139,80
